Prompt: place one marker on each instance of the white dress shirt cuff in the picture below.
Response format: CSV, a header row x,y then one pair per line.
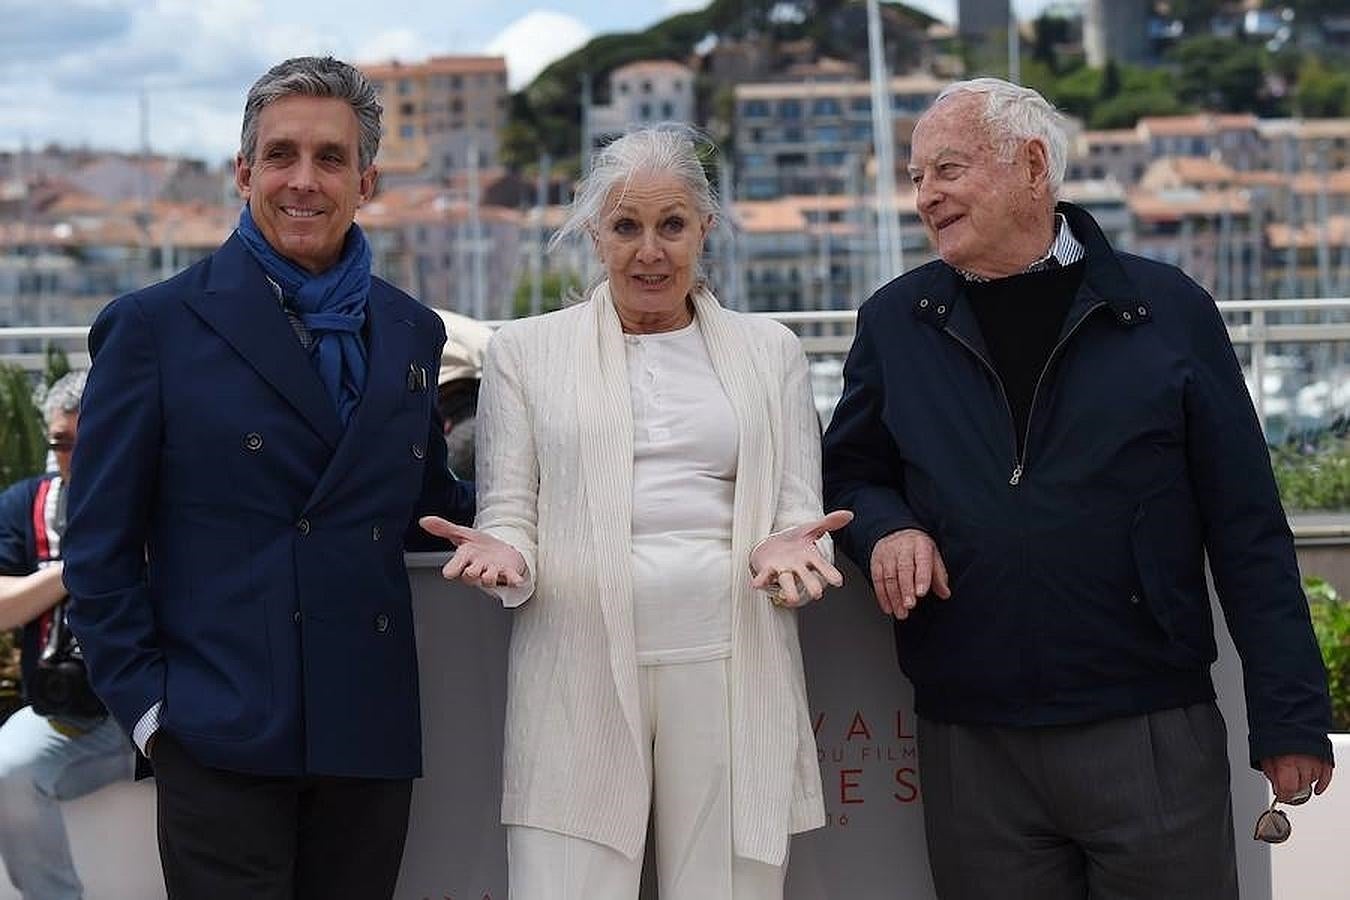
x,y
146,727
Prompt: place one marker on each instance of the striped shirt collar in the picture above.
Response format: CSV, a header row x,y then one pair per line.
x,y
1065,250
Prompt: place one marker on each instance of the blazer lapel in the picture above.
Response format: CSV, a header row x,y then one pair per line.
x,y
605,419
240,305
387,357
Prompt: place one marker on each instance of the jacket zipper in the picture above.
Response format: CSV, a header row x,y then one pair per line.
x,y
1019,459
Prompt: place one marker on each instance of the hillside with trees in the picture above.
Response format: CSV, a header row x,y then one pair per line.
x,y
546,115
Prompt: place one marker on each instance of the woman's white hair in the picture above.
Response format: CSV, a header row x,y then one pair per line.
x,y
666,149
1014,114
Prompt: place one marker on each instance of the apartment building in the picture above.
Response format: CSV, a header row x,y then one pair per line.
x,y
1210,233
1297,145
644,93
429,241
80,253
1233,138
815,137
1118,154
439,112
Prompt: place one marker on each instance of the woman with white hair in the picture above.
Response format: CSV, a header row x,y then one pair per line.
x,y
638,452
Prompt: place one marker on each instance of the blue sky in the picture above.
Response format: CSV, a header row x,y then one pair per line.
x,y
72,71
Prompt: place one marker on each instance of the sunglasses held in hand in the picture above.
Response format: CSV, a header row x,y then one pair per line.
x,y
1272,826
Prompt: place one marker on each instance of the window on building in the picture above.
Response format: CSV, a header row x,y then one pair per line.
x,y
668,110
646,86
623,87
404,86
860,131
406,132
827,134
407,109
789,109
860,104
645,112
755,109
825,106
831,158
792,135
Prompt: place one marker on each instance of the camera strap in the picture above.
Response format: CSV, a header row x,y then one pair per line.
x,y
49,523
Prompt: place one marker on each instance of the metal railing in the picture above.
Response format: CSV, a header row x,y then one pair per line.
x,y
1263,332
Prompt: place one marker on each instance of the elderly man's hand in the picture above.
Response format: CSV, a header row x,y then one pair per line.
x,y
1294,773
781,560
906,565
480,559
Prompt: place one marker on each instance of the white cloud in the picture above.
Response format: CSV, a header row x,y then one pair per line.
x,y
680,6
533,41
398,43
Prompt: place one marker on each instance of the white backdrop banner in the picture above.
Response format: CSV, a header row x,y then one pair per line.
x,y
873,844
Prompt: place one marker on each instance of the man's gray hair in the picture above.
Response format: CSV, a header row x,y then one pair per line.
x,y
64,395
1015,114
667,148
315,76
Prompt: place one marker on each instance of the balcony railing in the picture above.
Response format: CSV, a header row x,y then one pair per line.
x,y
1297,351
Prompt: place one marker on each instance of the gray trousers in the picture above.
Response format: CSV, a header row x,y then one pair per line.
x,y
1121,809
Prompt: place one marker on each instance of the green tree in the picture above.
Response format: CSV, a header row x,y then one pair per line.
x,y
1048,33
519,145
1109,87
557,286
1331,624
1322,92
23,444
1221,74
1076,93
58,365
1126,109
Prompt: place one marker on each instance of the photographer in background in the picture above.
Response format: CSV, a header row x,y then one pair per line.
x,y
62,744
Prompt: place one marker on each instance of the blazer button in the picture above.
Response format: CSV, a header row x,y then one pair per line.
x,y
1134,599
303,526
381,623
376,533
253,441
418,452
297,617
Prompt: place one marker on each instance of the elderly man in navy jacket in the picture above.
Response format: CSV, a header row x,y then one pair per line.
x,y
1041,439
261,434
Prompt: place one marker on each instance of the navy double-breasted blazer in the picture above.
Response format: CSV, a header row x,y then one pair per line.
x,y
233,550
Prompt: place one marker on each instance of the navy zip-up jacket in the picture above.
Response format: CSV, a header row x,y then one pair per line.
x,y
1077,566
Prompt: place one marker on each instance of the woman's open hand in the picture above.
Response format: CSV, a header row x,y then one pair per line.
x,y
480,559
782,560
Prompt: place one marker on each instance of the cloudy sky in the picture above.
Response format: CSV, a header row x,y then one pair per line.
x,y
73,71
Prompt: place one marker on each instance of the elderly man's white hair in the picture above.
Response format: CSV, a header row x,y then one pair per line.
x,y
1015,114
63,396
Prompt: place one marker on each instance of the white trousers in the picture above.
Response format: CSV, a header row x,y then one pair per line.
x,y
686,718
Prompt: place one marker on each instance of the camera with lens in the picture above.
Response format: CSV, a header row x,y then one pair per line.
x,y
60,683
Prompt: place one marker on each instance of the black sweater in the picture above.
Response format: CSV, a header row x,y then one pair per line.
x,y
1020,319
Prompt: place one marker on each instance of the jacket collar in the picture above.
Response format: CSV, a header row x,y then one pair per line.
x,y
941,294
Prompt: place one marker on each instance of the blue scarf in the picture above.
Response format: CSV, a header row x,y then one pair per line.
x,y
332,305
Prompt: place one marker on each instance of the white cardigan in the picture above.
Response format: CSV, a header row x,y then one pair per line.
x,y
555,463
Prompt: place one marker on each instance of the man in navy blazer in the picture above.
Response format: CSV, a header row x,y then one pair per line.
x,y
260,439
